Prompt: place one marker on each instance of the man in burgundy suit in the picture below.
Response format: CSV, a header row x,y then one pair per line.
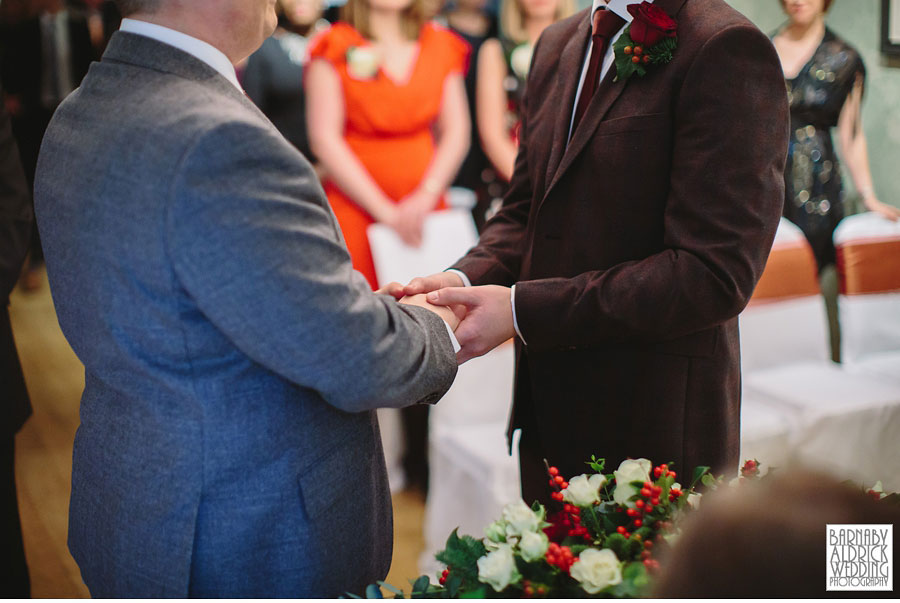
x,y
638,221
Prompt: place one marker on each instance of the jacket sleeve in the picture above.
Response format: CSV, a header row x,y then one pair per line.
x,y
497,259
724,201
15,209
254,243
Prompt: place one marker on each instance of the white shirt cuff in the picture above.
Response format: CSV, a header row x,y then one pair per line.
x,y
465,279
453,340
512,301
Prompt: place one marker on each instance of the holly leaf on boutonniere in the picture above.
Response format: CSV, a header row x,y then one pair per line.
x,y
650,39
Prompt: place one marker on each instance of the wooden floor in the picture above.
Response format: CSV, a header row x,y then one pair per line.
x,y
55,380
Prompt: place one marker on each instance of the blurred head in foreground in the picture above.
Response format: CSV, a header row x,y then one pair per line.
x,y
766,538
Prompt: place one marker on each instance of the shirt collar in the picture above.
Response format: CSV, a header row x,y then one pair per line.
x,y
207,53
620,7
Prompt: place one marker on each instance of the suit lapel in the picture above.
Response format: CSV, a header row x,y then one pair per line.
x,y
607,94
567,77
603,99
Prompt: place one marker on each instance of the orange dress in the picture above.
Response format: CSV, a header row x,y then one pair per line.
x,y
388,125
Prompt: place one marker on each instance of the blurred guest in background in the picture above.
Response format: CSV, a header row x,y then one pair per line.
x,y
503,64
765,539
42,59
472,21
379,85
103,19
15,229
825,79
273,77
388,122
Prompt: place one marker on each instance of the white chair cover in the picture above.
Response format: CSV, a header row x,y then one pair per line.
x,y
447,236
471,474
846,423
472,478
868,248
785,321
766,428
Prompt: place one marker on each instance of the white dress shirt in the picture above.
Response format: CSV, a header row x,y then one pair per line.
x,y
204,51
620,7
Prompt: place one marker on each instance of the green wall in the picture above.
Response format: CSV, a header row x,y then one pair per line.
x,y
859,23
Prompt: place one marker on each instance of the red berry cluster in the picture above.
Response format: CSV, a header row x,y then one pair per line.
x,y
636,53
444,575
557,482
571,520
573,523
560,556
645,505
750,469
531,591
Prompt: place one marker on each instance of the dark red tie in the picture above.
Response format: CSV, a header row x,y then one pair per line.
x,y
605,24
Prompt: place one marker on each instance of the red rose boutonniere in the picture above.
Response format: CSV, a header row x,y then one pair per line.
x,y
649,40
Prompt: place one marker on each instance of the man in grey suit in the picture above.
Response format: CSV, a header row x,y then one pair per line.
x,y
228,444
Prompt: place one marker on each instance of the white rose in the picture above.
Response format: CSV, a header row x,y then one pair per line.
x,y
597,569
533,545
520,518
498,568
631,470
693,500
584,491
496,532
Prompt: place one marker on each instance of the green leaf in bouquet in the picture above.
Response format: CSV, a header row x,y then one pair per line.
x,y
616,542
390,588
373,592
420,587
609,525
709,481
596,464
591,520
631,548
454,583
479,593
578,549
699,472
635,581
461,555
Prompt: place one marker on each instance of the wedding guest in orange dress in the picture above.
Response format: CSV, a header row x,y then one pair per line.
x,y
387,117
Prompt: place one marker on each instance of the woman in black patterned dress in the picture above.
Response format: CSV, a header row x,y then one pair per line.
x,y
825,79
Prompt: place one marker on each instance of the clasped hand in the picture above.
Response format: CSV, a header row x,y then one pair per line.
x,y
484,313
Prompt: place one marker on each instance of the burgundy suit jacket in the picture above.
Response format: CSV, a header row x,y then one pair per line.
x,y
634,247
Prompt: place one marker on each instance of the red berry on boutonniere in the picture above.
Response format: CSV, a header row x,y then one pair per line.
x,y
649,40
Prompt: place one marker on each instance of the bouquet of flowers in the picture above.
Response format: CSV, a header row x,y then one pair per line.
x,y
604,542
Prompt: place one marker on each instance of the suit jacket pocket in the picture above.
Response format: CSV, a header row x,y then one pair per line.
x,y
632,123
350,469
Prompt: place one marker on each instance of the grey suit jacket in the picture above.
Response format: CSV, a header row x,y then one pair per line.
x,y
227,445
